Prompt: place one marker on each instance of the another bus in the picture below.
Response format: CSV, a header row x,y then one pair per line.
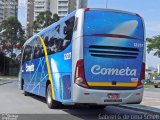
x,y
92,56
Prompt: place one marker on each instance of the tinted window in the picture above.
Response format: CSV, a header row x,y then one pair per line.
x,y
57,39
109,22
38,49
27,55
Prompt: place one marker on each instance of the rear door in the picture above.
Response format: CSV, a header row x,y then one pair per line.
x,y
113,49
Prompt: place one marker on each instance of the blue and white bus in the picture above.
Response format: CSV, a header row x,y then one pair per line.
x,y
91,56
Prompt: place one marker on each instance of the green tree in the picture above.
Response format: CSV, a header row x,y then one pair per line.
x,y
153,44
44,19
13,34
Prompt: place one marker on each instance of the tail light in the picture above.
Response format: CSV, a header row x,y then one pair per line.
x,y
142,77
79,74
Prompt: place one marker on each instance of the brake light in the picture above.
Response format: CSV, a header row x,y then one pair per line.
x,y
79,74
142,77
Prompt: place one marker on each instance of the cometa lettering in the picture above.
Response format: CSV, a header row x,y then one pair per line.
x,y
98,70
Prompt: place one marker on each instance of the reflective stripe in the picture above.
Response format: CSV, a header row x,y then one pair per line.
x,y
48,66
118,84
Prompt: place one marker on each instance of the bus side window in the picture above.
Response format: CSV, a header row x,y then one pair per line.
x,y
51,40
69,28
27,53
68,33
75,24
57,39
38,50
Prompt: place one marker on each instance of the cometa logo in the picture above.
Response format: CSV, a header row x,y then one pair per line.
x,y
98,70
29,68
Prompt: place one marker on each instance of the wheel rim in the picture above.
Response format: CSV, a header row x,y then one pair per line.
x,y
49,95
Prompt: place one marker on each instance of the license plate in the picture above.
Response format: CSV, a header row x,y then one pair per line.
x,y
113,100
113,96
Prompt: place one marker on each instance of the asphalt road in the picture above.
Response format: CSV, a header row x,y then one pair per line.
x,y
13,101
151,97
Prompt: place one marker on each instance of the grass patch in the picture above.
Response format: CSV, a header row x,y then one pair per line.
x,y
148,86
8,76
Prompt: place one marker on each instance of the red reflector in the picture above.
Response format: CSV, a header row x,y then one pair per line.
x,y
86,93
86,9
114,35
137,94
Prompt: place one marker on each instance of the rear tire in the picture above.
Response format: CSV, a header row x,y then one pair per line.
x,y
52,104
22,88
26,93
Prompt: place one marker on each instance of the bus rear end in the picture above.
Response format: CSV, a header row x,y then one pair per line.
x,y
111,68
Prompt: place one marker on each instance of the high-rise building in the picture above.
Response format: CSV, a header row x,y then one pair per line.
x,y
81,4
41,6
8,8
64,7
1,11
60,7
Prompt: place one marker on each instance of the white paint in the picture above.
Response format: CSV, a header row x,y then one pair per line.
x,y
29,68
98,70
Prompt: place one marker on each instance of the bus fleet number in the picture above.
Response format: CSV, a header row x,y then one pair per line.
x,y
67,56
138,45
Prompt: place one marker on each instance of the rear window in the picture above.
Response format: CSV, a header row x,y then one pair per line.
x,y
98,22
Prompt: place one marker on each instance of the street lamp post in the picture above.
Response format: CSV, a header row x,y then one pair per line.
x,y
107,3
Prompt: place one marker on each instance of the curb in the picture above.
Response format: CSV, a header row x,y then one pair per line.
x,y
14,79
6,82
142,108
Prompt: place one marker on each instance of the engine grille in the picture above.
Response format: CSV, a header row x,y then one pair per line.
x,y
113,52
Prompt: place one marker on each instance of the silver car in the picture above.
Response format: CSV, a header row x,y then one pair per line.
x,y
156,82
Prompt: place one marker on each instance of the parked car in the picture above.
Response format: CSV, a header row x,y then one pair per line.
x,y
156,82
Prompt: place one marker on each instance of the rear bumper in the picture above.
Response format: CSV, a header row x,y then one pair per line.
x,y
99,97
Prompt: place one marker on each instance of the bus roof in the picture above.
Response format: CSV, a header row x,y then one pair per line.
x,y
70,15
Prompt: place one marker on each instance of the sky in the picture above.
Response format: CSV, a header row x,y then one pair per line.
x,y
148,9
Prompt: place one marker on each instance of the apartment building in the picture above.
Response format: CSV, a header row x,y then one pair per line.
x,y
8,8
41,6
1,11
60,7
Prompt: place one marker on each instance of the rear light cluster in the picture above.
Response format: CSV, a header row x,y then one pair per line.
x,y
79,74
142,77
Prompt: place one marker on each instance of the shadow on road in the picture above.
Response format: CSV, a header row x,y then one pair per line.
x,y
78,111
86,113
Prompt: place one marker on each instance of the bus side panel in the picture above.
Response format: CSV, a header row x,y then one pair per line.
x,y
25,76
61,70
35,79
